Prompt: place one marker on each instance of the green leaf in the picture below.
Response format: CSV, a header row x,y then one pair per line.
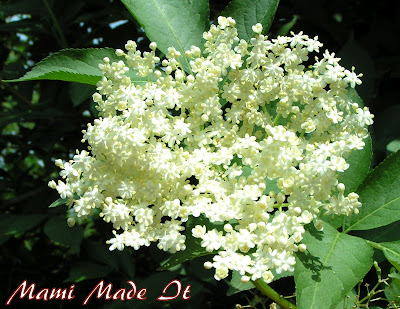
x,y
394,275
380,196
393,146
387,233
359,160
17,224
349,301
58,230
354,96
172,23
126,263
288,26
80,92
75,65
391,250
59,202
392,292
192,251
360,163
247,13
332,265
236,285
81,271
99,252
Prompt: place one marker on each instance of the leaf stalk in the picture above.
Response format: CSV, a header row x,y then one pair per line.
x,y
261,285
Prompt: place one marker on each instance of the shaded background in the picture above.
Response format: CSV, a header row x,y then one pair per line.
x,y
42,121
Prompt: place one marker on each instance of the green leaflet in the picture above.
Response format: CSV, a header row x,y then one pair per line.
x,y
13,225
236,285
192,251
332,265
58,230
80,92
348,301
360,162
288,26
63,201
75,65
391,250
84,270
392,292
100,253
380,196
177,23
247,13
116,260
59,202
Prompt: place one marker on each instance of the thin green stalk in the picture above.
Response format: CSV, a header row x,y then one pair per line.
x,y
276,119
60,33
280,206
374,244
181,66
272,294
264,108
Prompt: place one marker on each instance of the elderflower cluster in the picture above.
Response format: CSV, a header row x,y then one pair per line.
x,y
247,139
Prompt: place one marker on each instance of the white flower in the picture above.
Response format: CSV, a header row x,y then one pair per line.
x,y
134,239
199,231
284,261
63,189
338,164
222,266
118,242
69,171
212,240
180,127
211,144
117,213
257,28
169,238
352,78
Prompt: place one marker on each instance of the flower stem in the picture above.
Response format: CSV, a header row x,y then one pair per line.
x,y
278,116
272,294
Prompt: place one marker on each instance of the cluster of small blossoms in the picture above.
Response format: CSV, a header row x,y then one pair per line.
x,y
248,137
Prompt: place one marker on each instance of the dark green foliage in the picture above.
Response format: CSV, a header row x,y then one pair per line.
x,y
42,121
